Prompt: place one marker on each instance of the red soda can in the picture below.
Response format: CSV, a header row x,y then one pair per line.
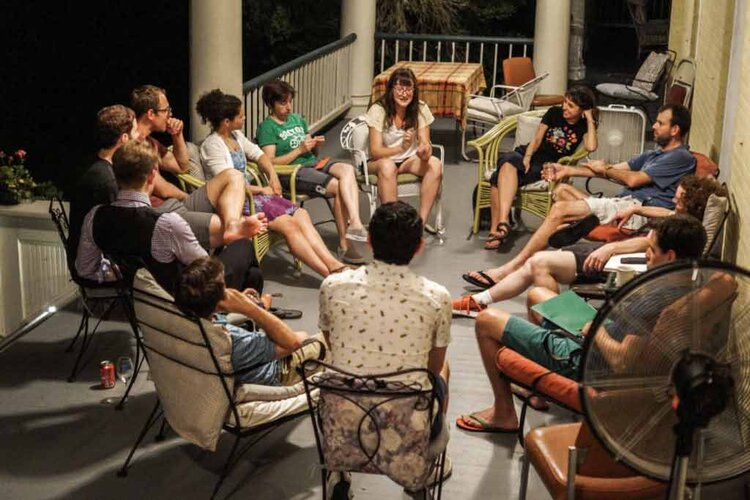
x,y
107,374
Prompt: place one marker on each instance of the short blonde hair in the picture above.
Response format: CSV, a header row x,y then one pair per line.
x,y
133,162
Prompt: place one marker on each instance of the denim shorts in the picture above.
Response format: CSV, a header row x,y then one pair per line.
x,y
253,354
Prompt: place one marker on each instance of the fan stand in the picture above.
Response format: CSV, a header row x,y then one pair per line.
x,y
702,387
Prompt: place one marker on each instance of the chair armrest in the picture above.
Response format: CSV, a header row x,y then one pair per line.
x,y
507,88
441,153
291,171
189,181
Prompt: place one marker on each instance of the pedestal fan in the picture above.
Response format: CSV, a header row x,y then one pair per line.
x,y
665,379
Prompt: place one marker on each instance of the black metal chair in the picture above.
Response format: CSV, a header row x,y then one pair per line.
x,y
190,365
378,424
91,292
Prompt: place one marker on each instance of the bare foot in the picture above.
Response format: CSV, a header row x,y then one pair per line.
x,y
245,228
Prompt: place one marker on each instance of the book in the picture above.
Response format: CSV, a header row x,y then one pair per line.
x,y
568,311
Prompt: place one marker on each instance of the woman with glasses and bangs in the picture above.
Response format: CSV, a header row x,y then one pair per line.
x,y
400,141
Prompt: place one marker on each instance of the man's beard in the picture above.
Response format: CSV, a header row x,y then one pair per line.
x,y
661,141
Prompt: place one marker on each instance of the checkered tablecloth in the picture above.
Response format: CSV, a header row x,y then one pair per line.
x,y
444,86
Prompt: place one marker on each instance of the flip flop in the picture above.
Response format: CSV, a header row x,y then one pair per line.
x,y
483,285
478,424
285,313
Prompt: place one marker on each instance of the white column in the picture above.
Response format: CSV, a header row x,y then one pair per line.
x,y
577,69
215,53
551,36
358,16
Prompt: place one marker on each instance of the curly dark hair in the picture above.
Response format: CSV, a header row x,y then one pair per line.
x,y
200,287
697,190
395,233
683,234
406,78
215,106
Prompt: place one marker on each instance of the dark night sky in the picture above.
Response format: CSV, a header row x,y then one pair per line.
x,y
63,61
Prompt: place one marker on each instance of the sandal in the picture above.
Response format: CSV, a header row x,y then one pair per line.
x,y
484,285
495,240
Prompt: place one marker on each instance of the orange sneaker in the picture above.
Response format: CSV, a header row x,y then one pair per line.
x,y
467,307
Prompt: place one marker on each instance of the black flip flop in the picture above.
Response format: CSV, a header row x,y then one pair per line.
x,y
285,313
484,286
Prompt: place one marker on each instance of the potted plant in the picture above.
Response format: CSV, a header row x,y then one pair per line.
x,y
16,183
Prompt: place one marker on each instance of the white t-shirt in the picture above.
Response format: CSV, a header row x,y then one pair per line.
x,y
393,136
383,318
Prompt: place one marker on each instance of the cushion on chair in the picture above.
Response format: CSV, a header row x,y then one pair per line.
x,y
713,217
524,371
485,106
705,166
623,91
547,449
195,167
609,233
194,403
395,433
650,71
278,404
526,129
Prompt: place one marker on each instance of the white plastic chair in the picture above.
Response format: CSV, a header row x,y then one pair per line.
x,y
355,139
489,111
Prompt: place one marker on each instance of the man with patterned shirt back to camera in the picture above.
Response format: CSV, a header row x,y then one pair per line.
x,y
383,318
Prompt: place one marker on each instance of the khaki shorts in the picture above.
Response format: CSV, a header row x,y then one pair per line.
x,y
606,208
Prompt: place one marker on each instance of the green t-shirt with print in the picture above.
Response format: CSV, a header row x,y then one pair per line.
x,y
285,137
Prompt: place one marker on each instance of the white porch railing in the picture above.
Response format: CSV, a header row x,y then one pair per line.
x,y
489,51
320,79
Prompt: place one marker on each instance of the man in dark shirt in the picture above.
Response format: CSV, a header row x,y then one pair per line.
x,y
115,125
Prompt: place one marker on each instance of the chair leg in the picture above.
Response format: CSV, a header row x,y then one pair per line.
x,y
524,476
152,418
522,421
84,315
140,354
225,470
82,348
572,469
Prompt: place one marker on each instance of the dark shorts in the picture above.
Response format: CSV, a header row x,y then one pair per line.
x,y
515,158
197,211
581,251
310,180
544,345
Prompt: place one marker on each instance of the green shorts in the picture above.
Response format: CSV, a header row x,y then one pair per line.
x,y
544,345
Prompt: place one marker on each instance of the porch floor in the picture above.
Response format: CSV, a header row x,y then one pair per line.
x,y
61,440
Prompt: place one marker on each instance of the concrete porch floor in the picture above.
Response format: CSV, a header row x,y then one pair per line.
x,y
61,440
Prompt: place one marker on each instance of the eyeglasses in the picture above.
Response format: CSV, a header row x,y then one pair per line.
x,y
401,89
167,110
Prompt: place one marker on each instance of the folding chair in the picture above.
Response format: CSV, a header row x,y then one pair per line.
x,y
190,365
377,424
535,198
486,111
354,139
680,89
91,293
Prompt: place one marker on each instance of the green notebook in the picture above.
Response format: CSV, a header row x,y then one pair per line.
x,y
568,311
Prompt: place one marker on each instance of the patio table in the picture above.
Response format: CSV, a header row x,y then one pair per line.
x,y
445,86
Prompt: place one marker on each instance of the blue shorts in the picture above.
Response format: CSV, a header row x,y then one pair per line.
x,y
544,345
253,350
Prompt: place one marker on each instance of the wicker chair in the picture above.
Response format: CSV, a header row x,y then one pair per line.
x,y
535,198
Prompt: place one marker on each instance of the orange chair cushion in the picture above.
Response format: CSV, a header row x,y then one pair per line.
x,y
609,233
541,100
705,166
524,371
547,449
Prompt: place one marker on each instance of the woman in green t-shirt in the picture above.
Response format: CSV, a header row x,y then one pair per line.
x,y
285,139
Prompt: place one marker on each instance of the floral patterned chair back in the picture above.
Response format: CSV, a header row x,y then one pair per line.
x,y
378,424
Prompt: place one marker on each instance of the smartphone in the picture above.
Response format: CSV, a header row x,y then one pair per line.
x,y
633,260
